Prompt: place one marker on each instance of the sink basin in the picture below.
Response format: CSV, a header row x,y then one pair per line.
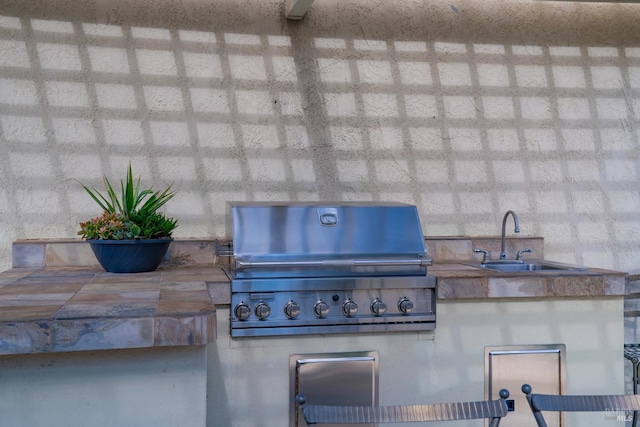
x,y
528,265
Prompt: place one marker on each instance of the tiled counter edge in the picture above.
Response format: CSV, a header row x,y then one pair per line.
x,y
63,309
57,299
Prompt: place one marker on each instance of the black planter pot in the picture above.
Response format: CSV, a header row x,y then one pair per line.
x,y
130,256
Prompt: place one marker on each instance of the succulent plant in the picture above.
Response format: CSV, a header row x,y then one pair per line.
x,y
133,215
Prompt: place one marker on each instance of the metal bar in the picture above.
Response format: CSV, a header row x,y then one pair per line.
x,y
324,414
289,284
333,329
636,378
344,321
579,403
240,263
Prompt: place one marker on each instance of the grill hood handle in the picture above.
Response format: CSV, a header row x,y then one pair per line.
x,y
243,263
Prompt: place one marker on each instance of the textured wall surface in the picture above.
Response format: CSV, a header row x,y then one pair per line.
x,y
164,387
465,108
446,366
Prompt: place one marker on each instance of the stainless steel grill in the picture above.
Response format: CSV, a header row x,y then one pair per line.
x,y
306,268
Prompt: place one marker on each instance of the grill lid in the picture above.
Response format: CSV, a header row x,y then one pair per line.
x,y
326,239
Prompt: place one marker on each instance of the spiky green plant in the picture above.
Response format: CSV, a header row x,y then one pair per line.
x,y
133,215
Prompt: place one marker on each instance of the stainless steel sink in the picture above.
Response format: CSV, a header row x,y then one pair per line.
x,y
528,265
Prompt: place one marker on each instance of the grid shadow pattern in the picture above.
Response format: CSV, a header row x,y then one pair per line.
x,y
463,130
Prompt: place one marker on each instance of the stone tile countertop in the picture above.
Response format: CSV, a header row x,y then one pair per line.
x,y
455,281
457,278
56,299
61,309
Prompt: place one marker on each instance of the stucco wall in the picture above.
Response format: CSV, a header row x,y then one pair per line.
x,y
465,108
161,387
444,366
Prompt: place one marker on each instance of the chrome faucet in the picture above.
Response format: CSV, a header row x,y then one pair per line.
x,y
503,253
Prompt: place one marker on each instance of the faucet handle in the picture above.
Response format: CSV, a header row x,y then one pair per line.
x,y
522,251
485,258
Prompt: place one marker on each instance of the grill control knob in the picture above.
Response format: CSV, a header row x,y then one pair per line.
x,y
405,306
262,310
321,309
349,308
378,307
292,309
242,311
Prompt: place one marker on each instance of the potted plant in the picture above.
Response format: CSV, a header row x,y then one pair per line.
x,y
131,235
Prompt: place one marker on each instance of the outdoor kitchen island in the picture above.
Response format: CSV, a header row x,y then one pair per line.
x,y
82,347
244,382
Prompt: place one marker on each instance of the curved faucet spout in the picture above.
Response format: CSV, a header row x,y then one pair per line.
x,y
503,253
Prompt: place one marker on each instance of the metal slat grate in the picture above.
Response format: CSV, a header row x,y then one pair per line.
x,y
545,402
325,414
